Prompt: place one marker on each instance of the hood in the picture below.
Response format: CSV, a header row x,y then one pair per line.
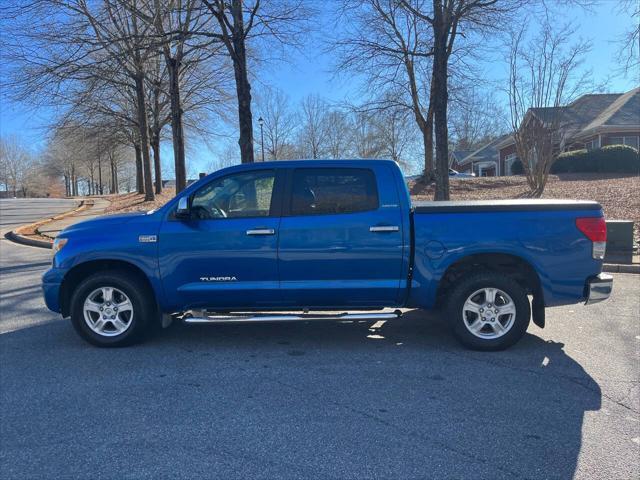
x,y
105,221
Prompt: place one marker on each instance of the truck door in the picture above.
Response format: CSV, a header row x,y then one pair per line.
x,y
225,254
341,238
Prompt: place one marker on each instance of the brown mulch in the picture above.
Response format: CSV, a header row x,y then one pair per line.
x,y
619,195
135,202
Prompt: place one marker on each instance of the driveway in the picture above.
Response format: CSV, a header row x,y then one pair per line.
x,y
317,399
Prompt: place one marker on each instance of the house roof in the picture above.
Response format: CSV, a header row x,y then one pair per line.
x,y
590,113
460,155
488,152
624,110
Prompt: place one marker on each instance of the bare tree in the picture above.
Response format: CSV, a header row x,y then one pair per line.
x,y
394,49
68,41
279,122
366,142
544,76
16,164
476,120
338,134
22,172
395,134
451,20
239,22
313,131
176,25
629,50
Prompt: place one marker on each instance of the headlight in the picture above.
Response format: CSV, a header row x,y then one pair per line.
x,y
58,243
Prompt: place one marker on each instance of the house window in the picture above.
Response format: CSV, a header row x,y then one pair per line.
x,y
591,144
615,141
508,163
631,141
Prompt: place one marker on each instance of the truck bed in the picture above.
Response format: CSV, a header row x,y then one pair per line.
x,y
519,205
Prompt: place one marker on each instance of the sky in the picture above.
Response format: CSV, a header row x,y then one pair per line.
x,y
310,71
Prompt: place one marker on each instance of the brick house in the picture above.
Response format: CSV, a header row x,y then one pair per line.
x,y
591,121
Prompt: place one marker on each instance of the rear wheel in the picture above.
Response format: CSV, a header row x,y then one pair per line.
x,y
488,311
111,309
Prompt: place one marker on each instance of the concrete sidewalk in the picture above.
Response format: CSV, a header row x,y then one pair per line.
x,y
52,229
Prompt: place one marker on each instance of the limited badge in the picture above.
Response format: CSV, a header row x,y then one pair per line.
x,y
148,238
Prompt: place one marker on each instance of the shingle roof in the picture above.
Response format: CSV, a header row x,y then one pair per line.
x,y
624,110
485,153
460,155
580,117
594,110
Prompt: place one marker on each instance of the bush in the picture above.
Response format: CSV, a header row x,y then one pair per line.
x,y
609,159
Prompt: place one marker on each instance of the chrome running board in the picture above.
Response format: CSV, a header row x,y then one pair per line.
x,y
254,318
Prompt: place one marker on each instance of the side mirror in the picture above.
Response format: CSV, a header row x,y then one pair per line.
x,y
183,208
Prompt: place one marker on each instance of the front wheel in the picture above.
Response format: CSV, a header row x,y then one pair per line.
x,y
488,311
111,309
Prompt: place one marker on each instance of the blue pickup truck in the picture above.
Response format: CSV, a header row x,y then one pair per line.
x,y
296,240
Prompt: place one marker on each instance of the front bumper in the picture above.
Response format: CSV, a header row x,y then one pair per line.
x,y
51,282
599,288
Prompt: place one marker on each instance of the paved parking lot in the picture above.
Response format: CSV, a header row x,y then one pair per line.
x,y
317,400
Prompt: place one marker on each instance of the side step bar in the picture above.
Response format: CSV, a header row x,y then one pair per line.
x,y
254,318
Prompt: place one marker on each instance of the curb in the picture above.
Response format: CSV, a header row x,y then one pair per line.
x,y
616,268
31,242
18,237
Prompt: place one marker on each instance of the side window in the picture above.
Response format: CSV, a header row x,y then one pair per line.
x,y
324,191
240,195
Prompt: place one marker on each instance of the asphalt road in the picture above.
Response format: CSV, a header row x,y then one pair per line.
x,y
317,400
14,212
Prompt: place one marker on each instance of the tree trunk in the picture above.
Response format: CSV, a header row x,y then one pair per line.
x,y
114,176
439,101
155,145
116,183
143,129
139,174
176,123
243,87
428,136
100,190
427,139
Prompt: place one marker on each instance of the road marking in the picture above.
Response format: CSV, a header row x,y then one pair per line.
x,y
378,324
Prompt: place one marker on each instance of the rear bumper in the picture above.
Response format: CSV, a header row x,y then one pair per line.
x,y
599,288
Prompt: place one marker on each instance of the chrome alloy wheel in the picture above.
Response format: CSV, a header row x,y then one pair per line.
x,y
489,313
108,311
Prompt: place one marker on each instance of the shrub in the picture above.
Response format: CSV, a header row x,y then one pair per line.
x,y
609,159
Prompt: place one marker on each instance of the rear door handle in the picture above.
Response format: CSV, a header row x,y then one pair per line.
x,y
384,228
261,231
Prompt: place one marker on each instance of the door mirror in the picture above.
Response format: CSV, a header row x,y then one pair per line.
x,y
183,208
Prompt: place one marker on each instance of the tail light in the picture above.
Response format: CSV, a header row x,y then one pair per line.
x,y
595,229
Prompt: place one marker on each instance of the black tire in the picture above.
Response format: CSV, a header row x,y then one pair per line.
x,y
465,287
143,308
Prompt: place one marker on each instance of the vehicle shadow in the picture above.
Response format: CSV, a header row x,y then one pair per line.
x,y
314,399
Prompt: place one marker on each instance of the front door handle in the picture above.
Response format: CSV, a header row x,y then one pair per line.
x,y
261,231
384,228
